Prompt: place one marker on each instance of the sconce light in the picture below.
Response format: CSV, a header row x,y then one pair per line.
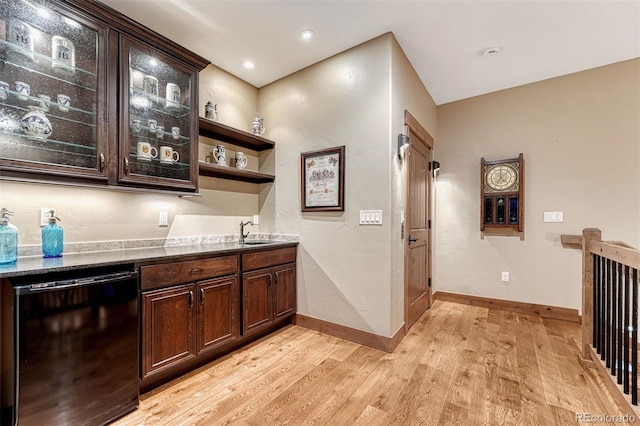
x,y
403,144
434,166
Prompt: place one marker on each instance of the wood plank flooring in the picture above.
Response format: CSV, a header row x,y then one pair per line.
x,y
458,365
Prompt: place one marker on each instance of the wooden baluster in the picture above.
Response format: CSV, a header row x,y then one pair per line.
x,y
626,330
634,339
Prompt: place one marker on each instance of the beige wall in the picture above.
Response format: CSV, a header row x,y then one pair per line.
x,y
346,273
407,93
107,215
580,135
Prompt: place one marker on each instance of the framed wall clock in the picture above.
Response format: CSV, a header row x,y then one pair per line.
x,y
502,193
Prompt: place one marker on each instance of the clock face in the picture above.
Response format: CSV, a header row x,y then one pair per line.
x,y
501,177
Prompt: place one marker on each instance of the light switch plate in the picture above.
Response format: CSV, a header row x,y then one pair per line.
x,y
553,217
370,217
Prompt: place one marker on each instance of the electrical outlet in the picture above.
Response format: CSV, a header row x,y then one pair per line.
x,y
163,219
45,215
505,276
256,219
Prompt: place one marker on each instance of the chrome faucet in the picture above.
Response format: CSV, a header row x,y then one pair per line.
x,y
242,234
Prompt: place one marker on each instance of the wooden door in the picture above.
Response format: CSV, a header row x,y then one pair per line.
x,y
417,221
218,320
257,311
284,291
168,327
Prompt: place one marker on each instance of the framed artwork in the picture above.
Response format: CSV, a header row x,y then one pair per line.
x,y
323,180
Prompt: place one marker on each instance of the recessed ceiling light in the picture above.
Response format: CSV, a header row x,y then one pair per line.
x,y
248,65
307,34
491,50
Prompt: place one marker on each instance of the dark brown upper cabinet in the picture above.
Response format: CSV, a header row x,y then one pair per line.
x,y
73,76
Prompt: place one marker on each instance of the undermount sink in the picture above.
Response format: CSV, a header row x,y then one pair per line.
x,y
255,243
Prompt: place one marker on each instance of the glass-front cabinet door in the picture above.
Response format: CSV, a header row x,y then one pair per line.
x,y
52,91
158,120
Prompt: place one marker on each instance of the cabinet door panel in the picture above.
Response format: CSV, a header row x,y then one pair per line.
x,y
285,291
158,133
218,321
53,107
168,327
256,298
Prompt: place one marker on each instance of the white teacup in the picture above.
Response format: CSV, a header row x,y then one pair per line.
x,y
136,126
45,102
240,160
168,155
175,133
23,90
64,102
152,124
159,132
146,152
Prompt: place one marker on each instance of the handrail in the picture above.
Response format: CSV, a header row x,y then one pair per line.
x,y
616,253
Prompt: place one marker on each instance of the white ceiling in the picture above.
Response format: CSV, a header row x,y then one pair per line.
x,y
442,39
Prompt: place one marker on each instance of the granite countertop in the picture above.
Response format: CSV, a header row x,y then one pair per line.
x,y
30,265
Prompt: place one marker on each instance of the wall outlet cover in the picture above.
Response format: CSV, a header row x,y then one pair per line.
x,y
45,215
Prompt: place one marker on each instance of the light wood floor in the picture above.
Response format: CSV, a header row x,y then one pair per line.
x,y
458,365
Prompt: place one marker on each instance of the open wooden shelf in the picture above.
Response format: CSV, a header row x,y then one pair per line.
x,y
224,133
226,172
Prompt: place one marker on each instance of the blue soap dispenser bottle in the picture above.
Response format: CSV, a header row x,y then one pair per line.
x,y
8,239
52,237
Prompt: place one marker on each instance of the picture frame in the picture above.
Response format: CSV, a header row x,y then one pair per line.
x,y
322,180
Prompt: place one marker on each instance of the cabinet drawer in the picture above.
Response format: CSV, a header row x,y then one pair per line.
x,y
156,276
265,259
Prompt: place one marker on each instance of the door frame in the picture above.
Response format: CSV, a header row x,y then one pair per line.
x,y
411,125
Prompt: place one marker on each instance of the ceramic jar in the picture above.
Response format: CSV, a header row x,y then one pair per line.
x,y
36,124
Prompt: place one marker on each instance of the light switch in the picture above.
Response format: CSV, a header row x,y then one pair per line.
x,y
370,217
553,216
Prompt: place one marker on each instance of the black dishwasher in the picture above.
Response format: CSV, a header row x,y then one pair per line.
x,y
76,347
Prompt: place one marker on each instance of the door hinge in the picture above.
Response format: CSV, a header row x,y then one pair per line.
x,y
402,231
429,282
429,223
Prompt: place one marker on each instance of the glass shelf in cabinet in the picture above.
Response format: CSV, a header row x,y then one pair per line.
x,y
52,105
155,162
141,100
62,144
182,141
41,65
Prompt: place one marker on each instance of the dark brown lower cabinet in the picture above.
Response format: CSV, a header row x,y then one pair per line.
x,y
184,321
191,309
267,296
168,327
217,313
